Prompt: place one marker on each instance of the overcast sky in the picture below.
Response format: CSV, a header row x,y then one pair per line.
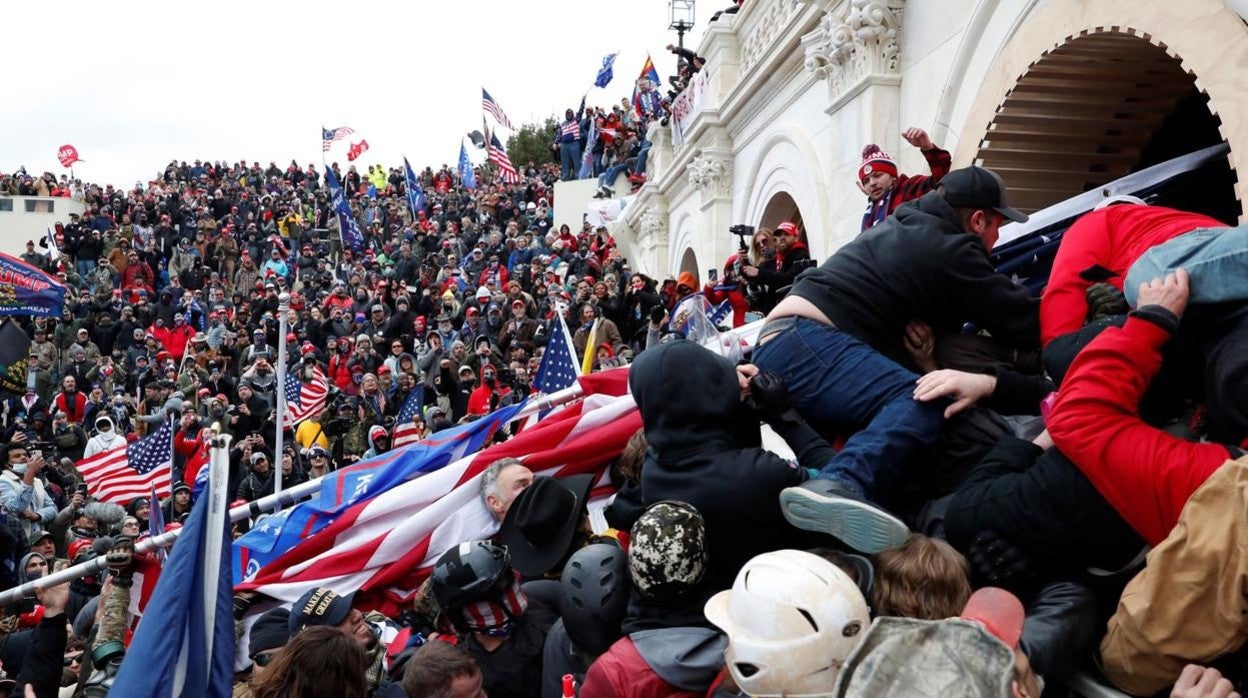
x,y
132,85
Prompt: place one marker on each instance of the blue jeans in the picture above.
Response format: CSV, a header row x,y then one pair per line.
x,y
608,178
641,158
836,380
569,160
85,267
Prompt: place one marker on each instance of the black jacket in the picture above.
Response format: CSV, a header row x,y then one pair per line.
x,y
703,448
919,264
1042,503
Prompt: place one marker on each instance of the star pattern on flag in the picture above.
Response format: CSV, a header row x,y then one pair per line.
x,y
151,453
558,369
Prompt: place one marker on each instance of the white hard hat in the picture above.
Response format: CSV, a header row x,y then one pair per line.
x,y
791,619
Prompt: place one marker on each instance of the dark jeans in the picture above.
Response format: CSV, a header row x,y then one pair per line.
x,y
834,379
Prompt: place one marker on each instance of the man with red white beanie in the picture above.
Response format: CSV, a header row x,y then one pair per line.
x,y
885,188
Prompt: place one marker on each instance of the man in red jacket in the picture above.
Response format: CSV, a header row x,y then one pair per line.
x,y
1100,247
1182,497
878,177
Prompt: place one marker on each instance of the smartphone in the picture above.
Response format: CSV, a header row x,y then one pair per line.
x,y
712,274
82,488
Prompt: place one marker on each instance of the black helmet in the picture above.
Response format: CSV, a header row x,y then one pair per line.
x,y
470,572
593,596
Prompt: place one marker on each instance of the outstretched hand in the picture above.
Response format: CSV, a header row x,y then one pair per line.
x,y
1171,292
920,342
1202,682
965,388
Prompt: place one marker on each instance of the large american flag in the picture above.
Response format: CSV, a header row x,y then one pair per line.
x,y
498,156
125,474
305,398
384,547
405,430
491,107
328,136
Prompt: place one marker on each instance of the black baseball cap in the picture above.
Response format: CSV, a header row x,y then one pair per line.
x,y
977,187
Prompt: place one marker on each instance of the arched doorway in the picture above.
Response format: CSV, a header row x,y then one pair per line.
x,y
780,208
689,263
1099,106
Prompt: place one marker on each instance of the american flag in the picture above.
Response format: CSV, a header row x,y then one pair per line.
x,y
384,547
305,398
491,107
329,136
559,369
125,474
405,430
498,156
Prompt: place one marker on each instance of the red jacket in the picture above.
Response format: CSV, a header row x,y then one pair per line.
x,y
194,449
1113,238
908,187
622,673
735,297
74,406
1145,473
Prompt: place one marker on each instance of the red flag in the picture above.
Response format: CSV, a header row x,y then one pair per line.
x,y
356,150
68,155
384,547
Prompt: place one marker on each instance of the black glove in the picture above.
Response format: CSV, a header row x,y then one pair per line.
x,y
120,561
998,562
1105,300
656,314
769,396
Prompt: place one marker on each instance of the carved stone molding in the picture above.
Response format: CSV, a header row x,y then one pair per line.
x,y
858,42
654,225
764,31
711,176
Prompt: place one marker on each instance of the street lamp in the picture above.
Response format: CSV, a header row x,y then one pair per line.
x,y
681,14
283,307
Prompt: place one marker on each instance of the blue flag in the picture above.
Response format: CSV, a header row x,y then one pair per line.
x,y
185,642
347,226
466,175
604,73
275,534
25,290
156,520
415,195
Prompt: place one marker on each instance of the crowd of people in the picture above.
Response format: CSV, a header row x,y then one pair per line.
x,y
1037,486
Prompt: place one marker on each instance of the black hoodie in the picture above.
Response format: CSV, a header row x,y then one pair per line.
x,y
703,448
919,264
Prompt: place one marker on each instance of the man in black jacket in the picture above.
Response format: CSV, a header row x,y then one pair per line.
x,y
773,275
837,341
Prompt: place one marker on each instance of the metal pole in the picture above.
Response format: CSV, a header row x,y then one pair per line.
x,y
283,307
263,505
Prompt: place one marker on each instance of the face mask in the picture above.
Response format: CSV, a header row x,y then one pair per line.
x,y
19,468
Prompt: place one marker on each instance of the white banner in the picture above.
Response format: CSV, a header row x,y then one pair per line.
x,y
687,105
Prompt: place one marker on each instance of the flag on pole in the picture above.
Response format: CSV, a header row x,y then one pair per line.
x,y
591,348
604,73
415,195
125,474
466,175
498,156
491,107
304,398
276,534
186,638
559,369
156,522
385,546
649,73
347,226
356,150
405,430
587,157
328,136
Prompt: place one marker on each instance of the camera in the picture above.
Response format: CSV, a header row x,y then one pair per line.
x,y
742,230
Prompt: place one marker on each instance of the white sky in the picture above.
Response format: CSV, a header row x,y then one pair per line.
x,y
135,84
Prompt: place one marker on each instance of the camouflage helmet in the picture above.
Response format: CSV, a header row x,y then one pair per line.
x,y
667,552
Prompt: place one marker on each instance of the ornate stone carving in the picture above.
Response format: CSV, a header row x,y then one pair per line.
x,y
711,176
764,30
653,225
859,41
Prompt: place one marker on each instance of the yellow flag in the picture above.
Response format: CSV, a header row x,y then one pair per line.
x,y
591,349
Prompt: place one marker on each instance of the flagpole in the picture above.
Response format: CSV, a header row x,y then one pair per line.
x,y
263,505
283,308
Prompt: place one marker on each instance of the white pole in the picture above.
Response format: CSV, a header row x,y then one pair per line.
x,y
283,307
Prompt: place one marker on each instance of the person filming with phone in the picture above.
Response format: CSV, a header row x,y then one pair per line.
x,y
26,503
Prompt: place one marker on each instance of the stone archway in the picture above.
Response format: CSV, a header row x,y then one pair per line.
x,y
1098,106
780,208
689,263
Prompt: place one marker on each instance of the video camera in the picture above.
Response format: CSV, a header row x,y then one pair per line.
x,y
333,424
